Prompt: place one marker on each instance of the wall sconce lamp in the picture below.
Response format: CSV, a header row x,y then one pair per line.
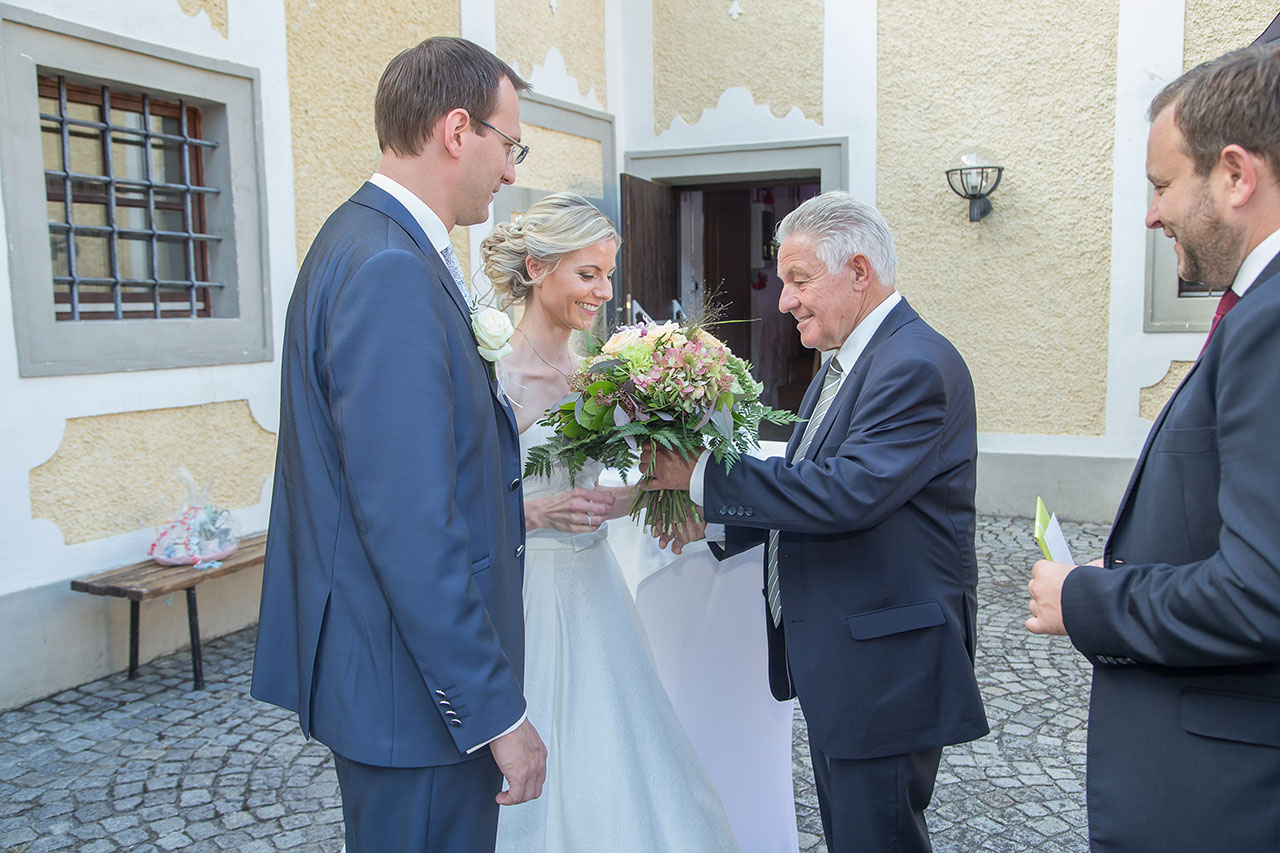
x,y
975,179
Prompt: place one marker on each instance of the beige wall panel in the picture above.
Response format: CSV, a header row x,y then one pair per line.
x,y
527,30
337,50
1152,398
561,162
774,50
215,9
1024,293
1214,27
115,473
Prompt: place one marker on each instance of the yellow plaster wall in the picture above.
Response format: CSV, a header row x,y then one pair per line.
x,y
1152,398
1213,27
115,473
1024,293
527,30
561,162
774,50
215,9
337,51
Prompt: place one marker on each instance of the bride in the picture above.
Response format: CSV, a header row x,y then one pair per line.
x,y
621,773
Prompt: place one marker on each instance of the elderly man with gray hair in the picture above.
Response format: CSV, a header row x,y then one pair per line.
x,y
868,527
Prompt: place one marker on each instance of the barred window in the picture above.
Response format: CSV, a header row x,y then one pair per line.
x,y
124,183
134,191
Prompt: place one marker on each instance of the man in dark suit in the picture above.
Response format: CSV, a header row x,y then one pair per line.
x,y
1182,618
868,524
391,605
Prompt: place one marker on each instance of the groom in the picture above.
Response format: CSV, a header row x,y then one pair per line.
x,y
391,616
868,523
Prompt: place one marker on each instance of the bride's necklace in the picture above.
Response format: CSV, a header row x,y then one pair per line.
x,y
539,355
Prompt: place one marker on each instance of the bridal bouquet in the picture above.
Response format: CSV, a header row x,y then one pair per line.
x,y
676,386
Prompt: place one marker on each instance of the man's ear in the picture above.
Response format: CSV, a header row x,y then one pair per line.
x,y
860,270
1239,171
452,130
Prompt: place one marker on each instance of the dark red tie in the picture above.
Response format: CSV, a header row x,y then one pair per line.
x,y
1225,304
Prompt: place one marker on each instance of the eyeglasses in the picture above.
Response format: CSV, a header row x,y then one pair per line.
x,y
517,151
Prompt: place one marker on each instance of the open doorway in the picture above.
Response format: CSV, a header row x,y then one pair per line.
x,y
728,257
690,246
698,217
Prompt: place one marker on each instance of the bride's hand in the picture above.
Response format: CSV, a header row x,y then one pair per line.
x,y
574,511
622,498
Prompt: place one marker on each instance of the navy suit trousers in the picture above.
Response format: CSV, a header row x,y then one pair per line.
x,y
446,809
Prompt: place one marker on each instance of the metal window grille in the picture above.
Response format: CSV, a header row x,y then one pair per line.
x,y
124,182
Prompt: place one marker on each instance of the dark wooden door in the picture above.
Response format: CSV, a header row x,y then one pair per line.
x,y
726,254
649,269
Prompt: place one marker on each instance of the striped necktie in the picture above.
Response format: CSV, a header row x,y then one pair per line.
x,y
830,385
451,263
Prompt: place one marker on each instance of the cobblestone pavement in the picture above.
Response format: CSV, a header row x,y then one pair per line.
x,y
150,765
1021,788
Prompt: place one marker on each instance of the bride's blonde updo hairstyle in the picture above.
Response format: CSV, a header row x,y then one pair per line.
x,y
550,229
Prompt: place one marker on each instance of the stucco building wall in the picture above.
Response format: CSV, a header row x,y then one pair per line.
x,y
1214,27
86,469
573,29
773,50
1024,293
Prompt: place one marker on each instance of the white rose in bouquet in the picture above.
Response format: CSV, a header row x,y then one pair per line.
x,y
621,339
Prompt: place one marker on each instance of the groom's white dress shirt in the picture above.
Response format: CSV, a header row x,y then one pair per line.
x,y
439,237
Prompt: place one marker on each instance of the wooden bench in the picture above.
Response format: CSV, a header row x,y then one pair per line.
x,y
149,579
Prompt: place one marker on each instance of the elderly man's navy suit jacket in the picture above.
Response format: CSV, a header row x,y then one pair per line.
x,y
391,604
1182,623
876,550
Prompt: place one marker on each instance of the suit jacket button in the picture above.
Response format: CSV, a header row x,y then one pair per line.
x,y
451,713
750,512
515,484
455,722
440,693
519,552
724,510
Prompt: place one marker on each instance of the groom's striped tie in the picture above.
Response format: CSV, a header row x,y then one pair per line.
x,y
451,263
830,385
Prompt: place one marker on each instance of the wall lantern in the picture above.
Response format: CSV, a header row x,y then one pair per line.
x,y
975,179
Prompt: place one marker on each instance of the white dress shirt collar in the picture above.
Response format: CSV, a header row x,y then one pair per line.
x,y
1255,262
425,216
863,332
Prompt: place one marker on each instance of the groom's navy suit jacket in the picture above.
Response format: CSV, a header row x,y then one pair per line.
x,y
1182,622
391,615
876,552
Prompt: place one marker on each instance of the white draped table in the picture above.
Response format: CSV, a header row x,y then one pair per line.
x,y
705,621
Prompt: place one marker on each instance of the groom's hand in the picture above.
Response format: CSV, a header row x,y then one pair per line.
x,y
666,469
522,759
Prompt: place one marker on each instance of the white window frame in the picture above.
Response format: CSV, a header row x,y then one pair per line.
x,y
228,96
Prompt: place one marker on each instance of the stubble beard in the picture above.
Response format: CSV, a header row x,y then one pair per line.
x,y
1210,247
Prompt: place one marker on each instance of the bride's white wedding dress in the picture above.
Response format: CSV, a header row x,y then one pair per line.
x,y
621,773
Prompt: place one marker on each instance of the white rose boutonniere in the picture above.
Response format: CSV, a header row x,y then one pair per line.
x,y
493,332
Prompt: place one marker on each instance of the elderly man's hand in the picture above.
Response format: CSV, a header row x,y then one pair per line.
x,y
1045,587
665,469
691,531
